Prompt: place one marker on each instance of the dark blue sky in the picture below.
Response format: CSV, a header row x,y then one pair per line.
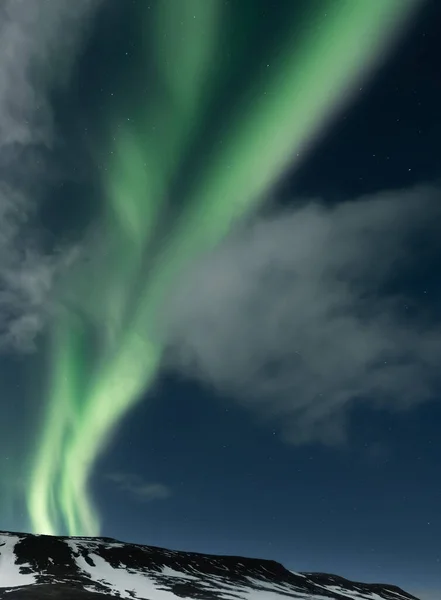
x,y
360,510
198,466
369,509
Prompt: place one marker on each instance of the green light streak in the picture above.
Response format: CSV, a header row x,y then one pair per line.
x,y
290,106
59,419
187,37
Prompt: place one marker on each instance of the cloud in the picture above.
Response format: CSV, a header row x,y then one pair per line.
x,y
38,45
137,487
27,274
303,315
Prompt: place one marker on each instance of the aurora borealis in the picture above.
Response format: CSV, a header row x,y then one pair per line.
x,y
315,69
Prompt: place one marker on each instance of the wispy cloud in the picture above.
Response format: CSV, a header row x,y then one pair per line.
x,y
38,45
303,315
27,273
138,488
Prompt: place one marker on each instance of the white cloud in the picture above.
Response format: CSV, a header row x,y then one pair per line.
x,y
137,487
38,45
296,317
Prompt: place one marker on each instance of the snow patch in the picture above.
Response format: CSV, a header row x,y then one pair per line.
x,y
10,572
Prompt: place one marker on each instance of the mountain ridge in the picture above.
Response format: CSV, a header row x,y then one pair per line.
x,y
34,566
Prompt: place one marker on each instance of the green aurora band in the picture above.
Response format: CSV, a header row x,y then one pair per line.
x,y
318,69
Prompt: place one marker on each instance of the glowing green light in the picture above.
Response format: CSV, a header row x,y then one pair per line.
x,y
286,110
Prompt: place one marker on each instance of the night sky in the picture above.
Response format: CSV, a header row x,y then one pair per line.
x,y
219,288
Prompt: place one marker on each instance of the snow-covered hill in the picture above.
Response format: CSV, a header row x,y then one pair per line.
x,y
45,567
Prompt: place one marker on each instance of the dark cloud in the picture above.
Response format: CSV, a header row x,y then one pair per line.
x,y
38,45
302,315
